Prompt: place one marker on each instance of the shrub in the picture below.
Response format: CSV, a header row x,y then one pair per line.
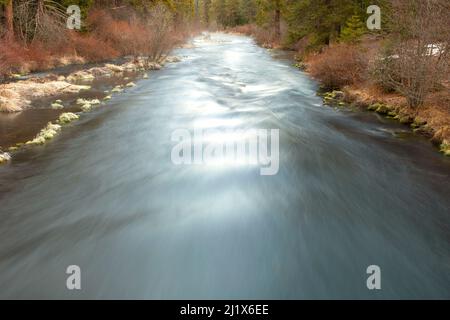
x,y
339,65
92,48
416,61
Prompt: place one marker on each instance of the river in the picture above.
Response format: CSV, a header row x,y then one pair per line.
x,y
352,190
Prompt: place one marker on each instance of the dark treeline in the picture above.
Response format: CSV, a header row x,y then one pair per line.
x,y
290,21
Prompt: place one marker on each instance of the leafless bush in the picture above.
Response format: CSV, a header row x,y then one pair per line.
x,y
42,20
417,59
160,40
339,65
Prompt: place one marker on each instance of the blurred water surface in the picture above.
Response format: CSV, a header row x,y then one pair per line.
x,y
104,195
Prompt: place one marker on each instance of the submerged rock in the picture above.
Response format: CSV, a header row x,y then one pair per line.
x,y
4,157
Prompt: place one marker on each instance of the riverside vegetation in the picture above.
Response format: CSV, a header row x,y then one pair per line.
x,y
399,71
34,37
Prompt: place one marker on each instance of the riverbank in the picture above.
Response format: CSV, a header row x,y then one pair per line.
x,y
347,71
105,195
60,99
354,69
432,120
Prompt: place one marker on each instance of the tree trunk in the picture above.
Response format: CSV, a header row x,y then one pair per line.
x,y
278,23
206,5
9,16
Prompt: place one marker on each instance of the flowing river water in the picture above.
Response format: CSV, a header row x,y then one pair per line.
x,y
352,190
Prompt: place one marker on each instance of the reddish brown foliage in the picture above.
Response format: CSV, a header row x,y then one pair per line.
x,y
338,66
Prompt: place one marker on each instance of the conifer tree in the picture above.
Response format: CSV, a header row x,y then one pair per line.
x,y
353,30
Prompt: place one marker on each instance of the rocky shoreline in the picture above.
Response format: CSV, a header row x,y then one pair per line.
x,y
19,96
424,124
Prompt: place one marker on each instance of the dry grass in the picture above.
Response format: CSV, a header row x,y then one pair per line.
x,y
109,37
435,111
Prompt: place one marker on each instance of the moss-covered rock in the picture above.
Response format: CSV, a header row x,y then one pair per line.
x,y
405,119
67,117
86,101
301,65
117,89
36,141
332,97
373,107
57,106
392,114
86,107
338,94
445,148
82,101
382,109
418,122
47,133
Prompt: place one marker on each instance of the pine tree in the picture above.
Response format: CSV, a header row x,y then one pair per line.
x,y
353,31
